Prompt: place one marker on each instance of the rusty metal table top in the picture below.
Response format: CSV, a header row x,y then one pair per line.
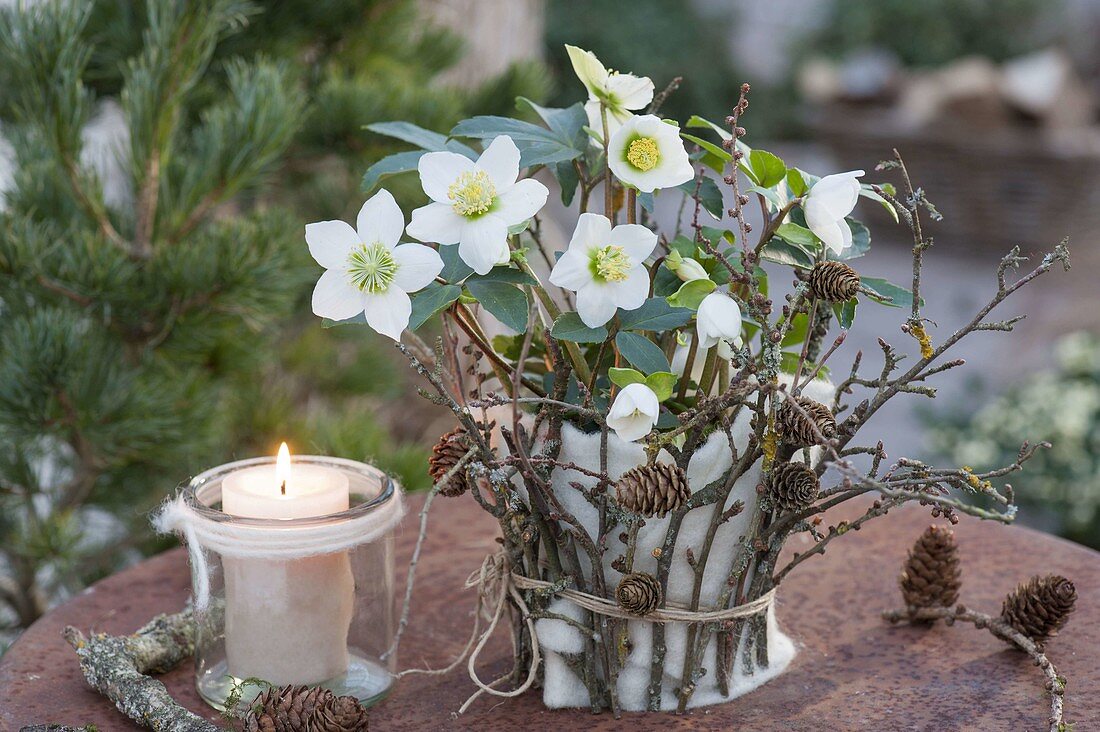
x,y
853,671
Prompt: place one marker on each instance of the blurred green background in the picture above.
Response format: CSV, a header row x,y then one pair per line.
x,y
123,373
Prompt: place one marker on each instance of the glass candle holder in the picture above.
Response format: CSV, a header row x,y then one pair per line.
x,y
326,618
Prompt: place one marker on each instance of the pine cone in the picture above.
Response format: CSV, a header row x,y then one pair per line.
x,y
796,429
639,593
285,710
1040,607
833,281
653,490
794,485
930,577
446,453
338,714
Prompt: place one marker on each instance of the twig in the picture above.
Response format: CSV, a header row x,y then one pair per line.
x,y
1055,684
117,667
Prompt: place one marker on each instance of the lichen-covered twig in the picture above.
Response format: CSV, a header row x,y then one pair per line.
x,y
1055,684
118,668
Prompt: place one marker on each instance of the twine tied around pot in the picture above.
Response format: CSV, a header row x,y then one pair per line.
x,y
496,582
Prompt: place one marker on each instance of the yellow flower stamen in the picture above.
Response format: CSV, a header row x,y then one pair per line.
x,y
472,194
643,153
611,264
372,267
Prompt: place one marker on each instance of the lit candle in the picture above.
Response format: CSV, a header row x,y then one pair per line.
x,y
287,621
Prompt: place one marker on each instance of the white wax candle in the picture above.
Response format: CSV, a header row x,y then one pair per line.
x,y
287,621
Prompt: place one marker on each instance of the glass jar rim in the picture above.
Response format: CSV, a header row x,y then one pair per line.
x,y
389,488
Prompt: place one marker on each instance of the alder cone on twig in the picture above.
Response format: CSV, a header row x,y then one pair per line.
x,y
338,714
639,593
1040,607
794,485
285,710
446,453
798,429
931,574
653,490
833,281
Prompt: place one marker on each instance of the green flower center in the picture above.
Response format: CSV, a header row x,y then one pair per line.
x,y
611,264
372,267
472,194
643,153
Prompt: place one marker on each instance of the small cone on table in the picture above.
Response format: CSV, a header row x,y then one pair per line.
x,y
283,709
799,427
446,453
931,575
338,714
639,593
1040,607
653,490
794,486
305,709
833,281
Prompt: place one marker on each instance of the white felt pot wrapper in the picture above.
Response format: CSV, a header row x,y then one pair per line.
x,y
562,687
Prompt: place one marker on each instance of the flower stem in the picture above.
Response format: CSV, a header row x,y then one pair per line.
x,y
580,366
608,185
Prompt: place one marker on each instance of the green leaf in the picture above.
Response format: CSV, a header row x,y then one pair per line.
x,y
506,302
504,274
422,138
796,182
798,235
788,362
662,383
709,195
402,162
570,327
655,314
358,319
714,157
691,294
845,312
797,332
454,269
623,378
766,169
537,145
432,300
867,191
783,252
894,295
641,352
770,194
861,241
567,124
697,121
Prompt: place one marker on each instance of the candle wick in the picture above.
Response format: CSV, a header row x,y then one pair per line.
x,y
282,489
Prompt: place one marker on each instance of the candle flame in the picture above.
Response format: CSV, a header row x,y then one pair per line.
x,y
282,468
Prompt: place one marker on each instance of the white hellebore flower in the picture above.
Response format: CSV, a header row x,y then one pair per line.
x,y
605,267
365,269
648,153
718,320
828,202
634,412
619,93
473,204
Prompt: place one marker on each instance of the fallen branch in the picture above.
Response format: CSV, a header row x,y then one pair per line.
x,y
118,668
1055,685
